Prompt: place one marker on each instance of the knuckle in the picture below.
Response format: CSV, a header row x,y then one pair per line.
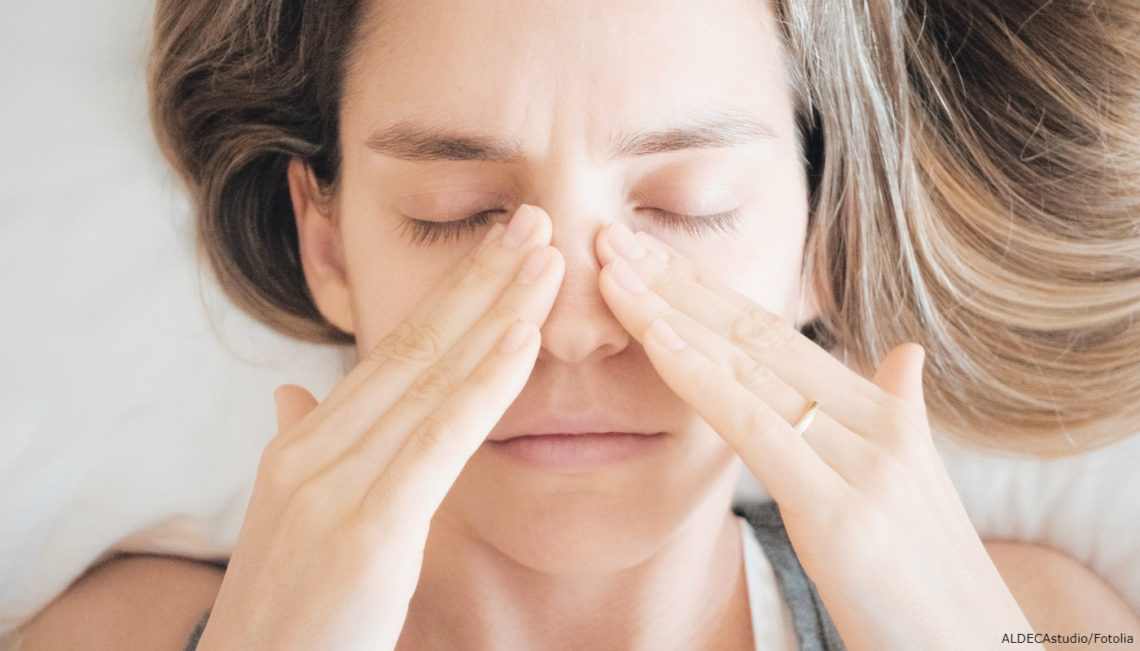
x,y
882,465
279,469
436,434
901,428
883,426
708,381
483,271
889,403
695,275
308,506
383,349
755,420
665,278
410,342
433,383
485,377
504,311
377,504
308,500
892,431
754,376
759,330
887,479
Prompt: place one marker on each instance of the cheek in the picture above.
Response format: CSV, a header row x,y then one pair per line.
x,y
387,276
762,261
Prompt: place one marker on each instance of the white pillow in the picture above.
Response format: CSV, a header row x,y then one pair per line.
x,y
1087,506
129,424
122,409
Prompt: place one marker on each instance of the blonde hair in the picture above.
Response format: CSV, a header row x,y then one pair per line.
x,y
975,187
983,199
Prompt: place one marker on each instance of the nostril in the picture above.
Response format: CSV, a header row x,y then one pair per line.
x,y
580,324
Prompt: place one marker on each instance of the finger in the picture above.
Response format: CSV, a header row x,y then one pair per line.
x,y
374,422
842,449
432,328
764,336
636,305
442,316
900,372
781,459
423,394
415,482
293,403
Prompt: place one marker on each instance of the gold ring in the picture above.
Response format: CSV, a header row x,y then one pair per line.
x,y
805,420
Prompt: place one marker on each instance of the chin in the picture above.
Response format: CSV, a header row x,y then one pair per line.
x,y
581,535
606,520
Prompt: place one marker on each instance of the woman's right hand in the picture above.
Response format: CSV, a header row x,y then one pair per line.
x,y
330,550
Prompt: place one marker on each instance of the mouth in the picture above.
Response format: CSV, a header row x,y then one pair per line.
x,y
581,426
574,444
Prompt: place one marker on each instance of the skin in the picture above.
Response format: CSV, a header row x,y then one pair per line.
x,y
507,536
381,516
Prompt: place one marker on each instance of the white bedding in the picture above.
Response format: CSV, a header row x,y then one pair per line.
x,y
128,423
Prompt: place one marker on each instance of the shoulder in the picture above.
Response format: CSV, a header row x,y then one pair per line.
x,y
1057,593
128,601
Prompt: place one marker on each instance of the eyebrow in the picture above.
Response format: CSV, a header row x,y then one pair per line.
x,y
422,142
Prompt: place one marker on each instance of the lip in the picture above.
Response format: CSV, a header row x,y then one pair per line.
x,y
569,426
575,451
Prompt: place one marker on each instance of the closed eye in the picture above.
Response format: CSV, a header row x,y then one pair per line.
x,y
424,232
696,225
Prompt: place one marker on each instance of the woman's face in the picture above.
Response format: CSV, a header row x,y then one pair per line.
x,y
699,91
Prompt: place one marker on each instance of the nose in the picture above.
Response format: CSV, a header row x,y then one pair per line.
x,y
581,325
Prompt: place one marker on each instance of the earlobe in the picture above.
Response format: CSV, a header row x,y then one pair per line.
x,y
321,245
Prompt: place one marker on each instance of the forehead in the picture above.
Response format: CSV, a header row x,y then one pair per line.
x,y
548,72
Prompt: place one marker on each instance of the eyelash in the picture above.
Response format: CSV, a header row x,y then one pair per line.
x,y
425,232
721,223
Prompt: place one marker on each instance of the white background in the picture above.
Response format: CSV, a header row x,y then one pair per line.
x,y
135,402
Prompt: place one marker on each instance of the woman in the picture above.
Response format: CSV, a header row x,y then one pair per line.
x,y
539,446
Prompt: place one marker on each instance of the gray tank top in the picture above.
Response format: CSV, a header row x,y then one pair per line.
x,y
813,626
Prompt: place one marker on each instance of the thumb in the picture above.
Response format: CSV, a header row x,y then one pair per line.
x,y
900,372
293,404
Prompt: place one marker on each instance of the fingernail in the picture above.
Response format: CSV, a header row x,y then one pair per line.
x,y
651,243
666,335
627,277
515,337
624,243
533,265
521,226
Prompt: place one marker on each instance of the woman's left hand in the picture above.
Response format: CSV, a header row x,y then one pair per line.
x,y
865,498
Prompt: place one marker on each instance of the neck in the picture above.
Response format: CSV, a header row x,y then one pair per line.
x,y
689,593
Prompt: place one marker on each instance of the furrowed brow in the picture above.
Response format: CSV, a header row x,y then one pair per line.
x,y
717,130
424,143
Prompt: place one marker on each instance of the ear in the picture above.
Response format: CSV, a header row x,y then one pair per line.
x,y
322,248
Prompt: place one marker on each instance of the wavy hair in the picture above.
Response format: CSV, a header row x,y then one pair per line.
x,y
974,187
